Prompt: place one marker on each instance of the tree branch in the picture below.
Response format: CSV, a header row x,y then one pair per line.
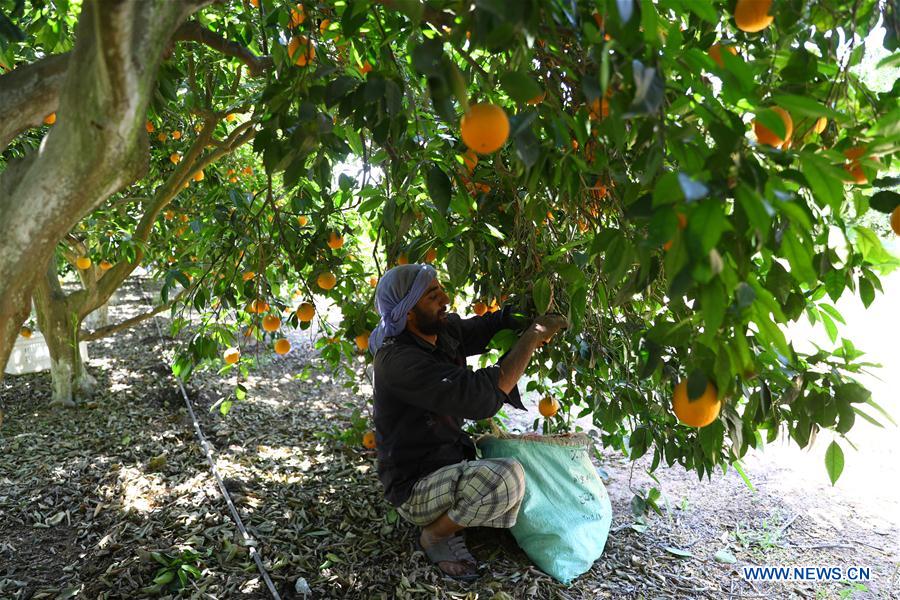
x,y
192,31
95,334
28,94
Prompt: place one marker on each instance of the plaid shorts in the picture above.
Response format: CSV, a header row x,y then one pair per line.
x,y
473,493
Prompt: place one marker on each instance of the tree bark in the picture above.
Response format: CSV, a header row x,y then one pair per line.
x,y
97,146
59,325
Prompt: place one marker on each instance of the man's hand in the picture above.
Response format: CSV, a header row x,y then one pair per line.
x,y
546,326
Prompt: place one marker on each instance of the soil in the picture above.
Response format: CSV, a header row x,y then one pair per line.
x,y
97,501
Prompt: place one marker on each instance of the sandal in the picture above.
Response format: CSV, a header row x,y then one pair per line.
x,y
453,549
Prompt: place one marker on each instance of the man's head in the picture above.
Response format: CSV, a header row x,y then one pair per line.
x,y
429,315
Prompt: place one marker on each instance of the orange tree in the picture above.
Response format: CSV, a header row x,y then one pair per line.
x,y
682,179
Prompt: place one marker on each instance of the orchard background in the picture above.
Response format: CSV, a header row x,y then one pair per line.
x,y
684,180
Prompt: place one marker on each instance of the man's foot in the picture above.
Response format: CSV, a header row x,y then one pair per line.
x,y
451,556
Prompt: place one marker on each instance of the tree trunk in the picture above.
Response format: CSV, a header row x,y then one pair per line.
x,y
60,326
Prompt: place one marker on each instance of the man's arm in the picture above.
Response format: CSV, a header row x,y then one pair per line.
x,y
540,332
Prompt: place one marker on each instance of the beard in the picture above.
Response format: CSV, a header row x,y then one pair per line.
x,y
430,324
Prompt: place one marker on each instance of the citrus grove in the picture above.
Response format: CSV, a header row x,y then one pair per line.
x,y
681,179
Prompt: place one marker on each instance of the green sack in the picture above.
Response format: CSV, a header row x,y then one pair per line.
x,y
565,515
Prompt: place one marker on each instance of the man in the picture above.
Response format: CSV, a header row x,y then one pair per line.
x,y
423,391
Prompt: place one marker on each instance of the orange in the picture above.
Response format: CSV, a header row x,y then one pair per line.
x,y
255,3
821,124
765,136
169,215
479,308
175,157
365,68
698,412
368,440
301,51
162,136
373,281
199,176
176,135
715,53
105,265
230,117
484,128
298,15
149,127
248,170
83,262
183,218
25,332
230,172
470,158
895,220
306,312
326,280
599,109
324,26
258,307
335,241
248,276
752,15
271,323
599,191
362,340
231,356
302,221
403,259
667,246
232,179
537,99
854,167
282,346
50,119
548,406
682,221
430,255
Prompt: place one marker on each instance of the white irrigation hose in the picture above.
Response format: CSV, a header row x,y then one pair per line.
x,y
248,539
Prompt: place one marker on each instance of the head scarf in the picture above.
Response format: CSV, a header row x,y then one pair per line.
x,y
398,291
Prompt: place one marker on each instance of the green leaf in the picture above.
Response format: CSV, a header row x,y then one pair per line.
x,y
520,86
885,201
707,223
799,256
803,105
772,120
541,295
834,461
439,189
852,392
413,9
866,292
678,552
824,180
724,556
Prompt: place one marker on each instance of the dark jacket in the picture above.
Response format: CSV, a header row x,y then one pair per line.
x,y
423,393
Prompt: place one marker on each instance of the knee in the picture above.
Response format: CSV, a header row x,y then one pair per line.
x,y
515,478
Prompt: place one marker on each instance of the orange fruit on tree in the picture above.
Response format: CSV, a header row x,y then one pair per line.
x,y
232,179
323,26
335,241
368,440
247,276
183,218
698,412
282,346
169,215
479,308
175,157
298,16
854,167
271,323
484,128
302,221
765,136
430,255
682,220
163,136
715,53
366,67
25,332
306,312
326,280
548,406
373,281
362,340
258,307
230,117
599,109
537,99
231,356
83,262
895,220
105,265
176,135
255,3
752,15
821,124
149,127
199,176
50,119
301,50
248,170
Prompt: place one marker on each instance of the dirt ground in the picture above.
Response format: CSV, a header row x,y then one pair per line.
x,y
88,496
